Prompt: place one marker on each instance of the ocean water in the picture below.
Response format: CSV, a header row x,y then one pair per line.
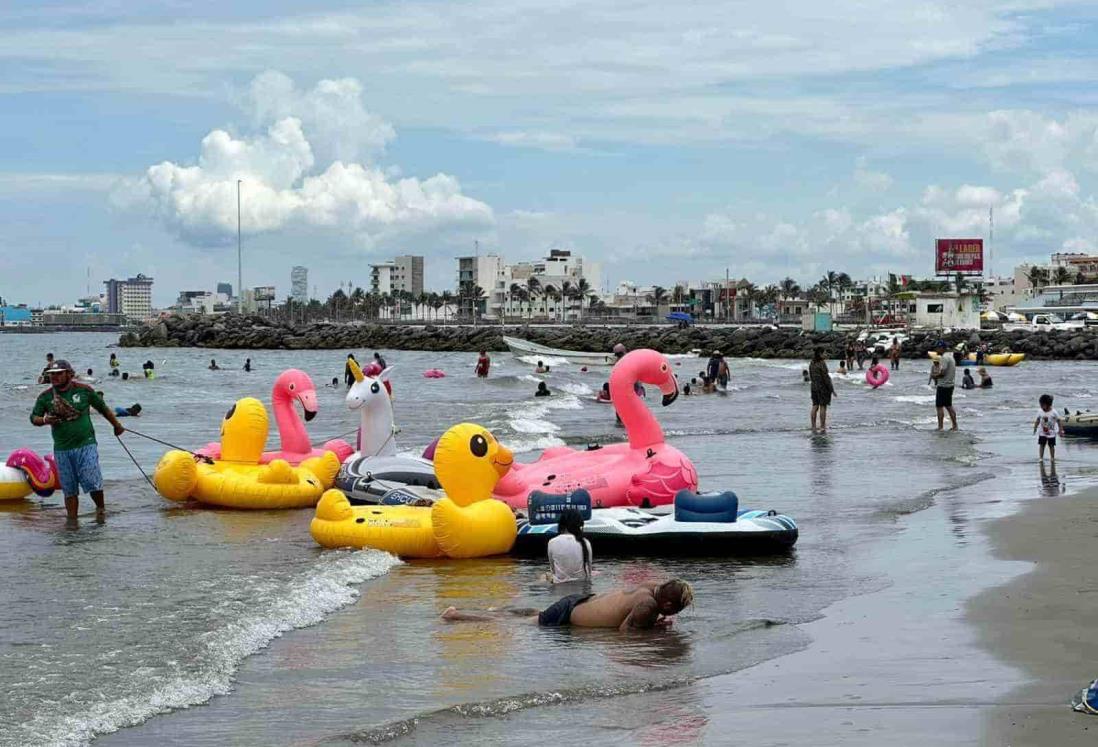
x,y
180,625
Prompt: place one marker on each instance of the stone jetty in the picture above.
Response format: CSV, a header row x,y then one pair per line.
x,y
249,332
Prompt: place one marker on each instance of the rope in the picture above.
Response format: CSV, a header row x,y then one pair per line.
x,y
135,462
195,454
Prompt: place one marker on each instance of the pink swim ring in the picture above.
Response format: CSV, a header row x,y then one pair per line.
x,y
876,376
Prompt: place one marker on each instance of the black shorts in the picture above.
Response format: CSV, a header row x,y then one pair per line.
x,y
559,613
820,399
1046,441
943,396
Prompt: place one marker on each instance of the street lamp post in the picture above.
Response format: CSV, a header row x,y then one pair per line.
x,y
239,261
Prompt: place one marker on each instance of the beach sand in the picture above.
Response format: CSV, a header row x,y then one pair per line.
x,y
1043,621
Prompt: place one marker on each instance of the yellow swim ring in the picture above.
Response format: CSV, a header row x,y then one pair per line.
x,y
237,480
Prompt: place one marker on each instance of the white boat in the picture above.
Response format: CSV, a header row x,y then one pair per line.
x,y
520,347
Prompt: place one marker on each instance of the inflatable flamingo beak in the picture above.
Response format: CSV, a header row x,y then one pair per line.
x,y
307,398
670,389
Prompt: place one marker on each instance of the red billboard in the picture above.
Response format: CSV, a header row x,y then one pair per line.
x,y
959,255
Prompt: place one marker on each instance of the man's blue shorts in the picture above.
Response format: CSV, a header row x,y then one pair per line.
x,y
79,468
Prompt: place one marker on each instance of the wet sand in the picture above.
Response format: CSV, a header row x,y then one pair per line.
x,y
1044,621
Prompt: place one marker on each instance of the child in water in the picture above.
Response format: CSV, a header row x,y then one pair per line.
x,y
1048,427
842,368
967,381
604,393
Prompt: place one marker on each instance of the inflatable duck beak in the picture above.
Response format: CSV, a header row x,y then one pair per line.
x,y
503,459
356,370
307,398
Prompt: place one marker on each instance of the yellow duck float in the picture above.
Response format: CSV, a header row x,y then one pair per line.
x,y
467,523
237,479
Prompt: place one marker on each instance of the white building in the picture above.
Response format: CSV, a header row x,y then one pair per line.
x,y
403,273
939,310
486,271
556,278
132,297
299,284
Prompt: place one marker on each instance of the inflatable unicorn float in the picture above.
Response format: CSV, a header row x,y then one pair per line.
x,y
644,472
376,467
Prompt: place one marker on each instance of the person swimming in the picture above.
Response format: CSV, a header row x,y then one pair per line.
x,y
335,382
543,390
542,368
149,369
804,375
132,411
213,365
248,364
646,607
125,376
569,552
604,393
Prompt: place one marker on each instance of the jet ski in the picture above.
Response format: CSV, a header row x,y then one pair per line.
x,y
708,524
365,480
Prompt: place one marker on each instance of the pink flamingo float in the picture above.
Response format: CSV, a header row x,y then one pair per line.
x,y
644,472
292,385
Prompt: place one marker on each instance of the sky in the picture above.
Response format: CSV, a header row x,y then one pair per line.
x,y
668,141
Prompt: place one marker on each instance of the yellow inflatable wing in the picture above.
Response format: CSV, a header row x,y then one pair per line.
x,y
404,531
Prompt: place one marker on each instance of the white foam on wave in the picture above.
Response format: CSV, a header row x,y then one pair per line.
x,y
918,399
547,360
521,445
302,602
524,425
580,390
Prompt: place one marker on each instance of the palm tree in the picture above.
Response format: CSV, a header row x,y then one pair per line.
x,y
447,299
658,296
533,289
960,282
1037,276
548,292
789,288
566,294
1061,275
829,281
583,292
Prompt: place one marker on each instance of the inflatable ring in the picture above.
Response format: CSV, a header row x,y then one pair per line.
x,y
876,376
434,373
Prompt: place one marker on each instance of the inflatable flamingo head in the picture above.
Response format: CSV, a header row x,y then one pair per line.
x,y
294,385
368,391
647,367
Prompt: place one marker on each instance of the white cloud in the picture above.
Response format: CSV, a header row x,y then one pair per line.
x,y
280,184
550,141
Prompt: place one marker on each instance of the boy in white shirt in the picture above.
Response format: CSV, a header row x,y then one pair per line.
x,y
1049,427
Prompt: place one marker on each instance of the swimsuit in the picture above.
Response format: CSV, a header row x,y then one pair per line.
x,y
559,613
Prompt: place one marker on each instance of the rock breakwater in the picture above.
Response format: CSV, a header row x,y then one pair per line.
x,y
258,333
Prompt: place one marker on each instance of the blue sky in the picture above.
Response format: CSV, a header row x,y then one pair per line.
x,y
668,141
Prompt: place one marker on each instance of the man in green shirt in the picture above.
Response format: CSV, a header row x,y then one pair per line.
x,y
65,407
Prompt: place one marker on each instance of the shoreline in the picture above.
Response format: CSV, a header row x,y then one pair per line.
x,y
1041,621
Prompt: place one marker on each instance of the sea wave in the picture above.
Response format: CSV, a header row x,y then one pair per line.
x,y
217,654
